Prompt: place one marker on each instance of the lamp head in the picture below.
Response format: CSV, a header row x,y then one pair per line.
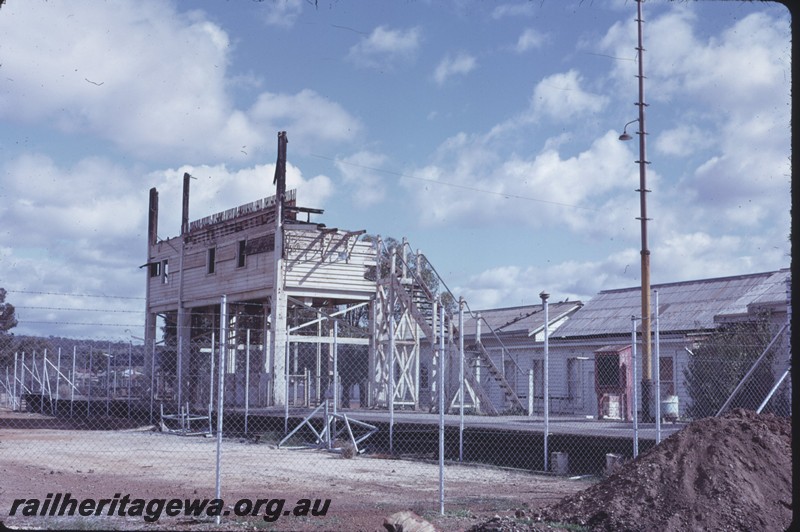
x,y
625,135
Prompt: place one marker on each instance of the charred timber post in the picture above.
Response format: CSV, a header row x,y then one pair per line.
x,y
181,329
150,318
278,306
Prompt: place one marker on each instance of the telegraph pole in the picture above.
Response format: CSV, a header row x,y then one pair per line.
x,y
647,373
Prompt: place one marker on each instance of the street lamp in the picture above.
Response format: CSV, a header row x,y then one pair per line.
x,y
625,135
645,253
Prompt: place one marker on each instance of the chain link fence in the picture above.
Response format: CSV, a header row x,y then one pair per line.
x,y
502,392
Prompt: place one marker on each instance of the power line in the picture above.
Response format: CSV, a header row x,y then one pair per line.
x,y
73,309
454,185
128,325
101,296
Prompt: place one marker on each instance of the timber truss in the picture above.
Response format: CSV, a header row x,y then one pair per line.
x,y
416,322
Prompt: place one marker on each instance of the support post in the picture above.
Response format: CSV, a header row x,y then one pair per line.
x,y
223,345
14,392
74,380
544,295
58,378
645,252
390,355
635,391
247,382
461,379
657,372
441,409
150,318
279,301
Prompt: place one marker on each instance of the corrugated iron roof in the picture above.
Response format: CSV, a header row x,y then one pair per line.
x,y
683,306
517,320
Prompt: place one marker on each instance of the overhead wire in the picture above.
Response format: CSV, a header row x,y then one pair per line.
x,y
506,195
101,296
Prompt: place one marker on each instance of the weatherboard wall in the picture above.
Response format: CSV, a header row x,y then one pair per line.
x,y
328,263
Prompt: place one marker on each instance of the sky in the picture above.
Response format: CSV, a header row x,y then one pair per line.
x,y
484,131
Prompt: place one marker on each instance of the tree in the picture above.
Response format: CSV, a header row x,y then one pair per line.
x,y
8,321
722,361
421,269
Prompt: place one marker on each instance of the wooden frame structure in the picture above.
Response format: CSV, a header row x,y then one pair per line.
x,y
268,264
287,283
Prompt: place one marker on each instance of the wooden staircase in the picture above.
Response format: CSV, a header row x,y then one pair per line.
x,y
479,352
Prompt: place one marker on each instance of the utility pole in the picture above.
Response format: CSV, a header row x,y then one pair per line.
x,y
646,325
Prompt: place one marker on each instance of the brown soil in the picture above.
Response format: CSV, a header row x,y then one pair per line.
x,y
728,473
40,455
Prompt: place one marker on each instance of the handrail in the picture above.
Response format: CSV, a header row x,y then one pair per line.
x,y
447,290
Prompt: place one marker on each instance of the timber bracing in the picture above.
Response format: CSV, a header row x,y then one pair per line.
x,y
407,344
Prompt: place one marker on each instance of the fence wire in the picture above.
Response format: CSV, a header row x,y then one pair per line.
x,y
479,394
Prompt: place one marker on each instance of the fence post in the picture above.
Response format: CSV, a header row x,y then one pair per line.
x,y
108,372
335,373
14,392
657,372
74,381
461,379
223,318
390,358
286,357
130,375
335,367
441,409
89,399
247,382
153,377
58,378
390,390
635,389
546,369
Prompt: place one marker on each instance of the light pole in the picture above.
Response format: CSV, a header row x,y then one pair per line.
x,y
645,253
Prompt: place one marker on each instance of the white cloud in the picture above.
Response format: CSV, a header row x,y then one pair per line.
x,y
701,255
741,122
153,90
483,186
359,171
460,64
282,12
573,280
93,199
512,10
529,40
308,117
562,98
682,141
237,187
149,79
386,47
83,228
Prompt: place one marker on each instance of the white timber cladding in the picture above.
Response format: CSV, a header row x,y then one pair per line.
x,y
327,262
254,280
319,262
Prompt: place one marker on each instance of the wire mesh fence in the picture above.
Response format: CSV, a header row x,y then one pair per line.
x,y
509,388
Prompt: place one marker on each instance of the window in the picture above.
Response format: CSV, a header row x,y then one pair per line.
x,y
155,269
165,271
211,260
241,256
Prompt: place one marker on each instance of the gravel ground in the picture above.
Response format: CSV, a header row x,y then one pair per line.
x,y
147,464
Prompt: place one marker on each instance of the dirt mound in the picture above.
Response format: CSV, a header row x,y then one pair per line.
x,y
728,473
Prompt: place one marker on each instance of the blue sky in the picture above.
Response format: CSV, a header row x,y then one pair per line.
x,y
484,131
